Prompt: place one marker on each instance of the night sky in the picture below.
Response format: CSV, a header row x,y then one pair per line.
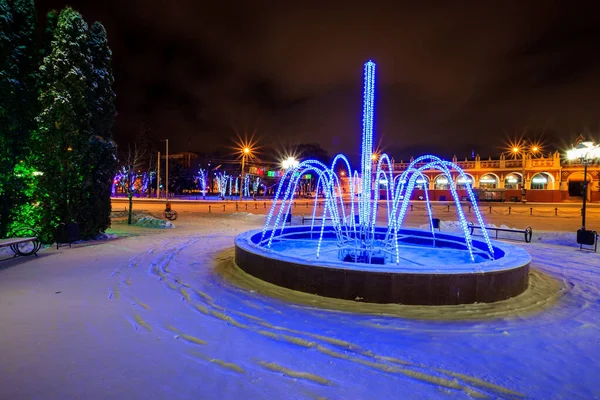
x,y
450,79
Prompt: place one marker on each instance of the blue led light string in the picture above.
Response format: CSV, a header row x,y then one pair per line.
x,y
341,157
282,207
315,204
443,166
367,144
289,195
480,221
275,199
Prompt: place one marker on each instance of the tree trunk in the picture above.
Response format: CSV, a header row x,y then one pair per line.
x,y
130,209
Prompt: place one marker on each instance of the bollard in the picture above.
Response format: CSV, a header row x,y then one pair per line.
x,y
490,209
209,208
295,204
265,204
223,207
246,206
255,206
307,204
448,208
236,206
509,208
469,209
555,210
531,211
411,207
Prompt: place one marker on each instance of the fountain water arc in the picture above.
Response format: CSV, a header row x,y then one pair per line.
x,y
352,249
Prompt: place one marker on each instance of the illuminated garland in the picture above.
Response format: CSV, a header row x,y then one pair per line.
x,y
358,237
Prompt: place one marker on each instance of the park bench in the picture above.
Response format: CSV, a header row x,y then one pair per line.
x,y
66,234
527,232
305,218
26,245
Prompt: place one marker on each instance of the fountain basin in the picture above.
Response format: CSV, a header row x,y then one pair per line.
x,y
426,275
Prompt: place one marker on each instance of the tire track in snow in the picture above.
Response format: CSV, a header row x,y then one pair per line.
x,y
204,304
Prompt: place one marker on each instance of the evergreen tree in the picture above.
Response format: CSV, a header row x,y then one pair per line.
x,y
18,103
51,21
62,140
6,159
102,112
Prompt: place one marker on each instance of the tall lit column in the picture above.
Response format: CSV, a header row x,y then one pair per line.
x,y
367,144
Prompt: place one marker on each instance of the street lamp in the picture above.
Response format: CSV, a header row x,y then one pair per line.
x,y
246,151
167,170
524,151
587,153
289,162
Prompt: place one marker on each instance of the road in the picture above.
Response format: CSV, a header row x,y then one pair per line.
x,y
540,216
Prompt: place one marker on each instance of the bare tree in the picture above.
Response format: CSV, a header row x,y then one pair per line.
x,y
135,174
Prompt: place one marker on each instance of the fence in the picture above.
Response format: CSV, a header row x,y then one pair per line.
x,y
469,209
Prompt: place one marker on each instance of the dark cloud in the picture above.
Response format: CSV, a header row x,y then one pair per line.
x,y
450,78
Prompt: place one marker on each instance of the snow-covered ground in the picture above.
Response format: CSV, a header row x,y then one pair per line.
x,y
165,314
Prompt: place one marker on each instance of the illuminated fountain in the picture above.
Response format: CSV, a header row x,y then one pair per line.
x,y
356,248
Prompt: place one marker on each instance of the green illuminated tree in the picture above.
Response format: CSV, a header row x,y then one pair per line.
x,y
102,116
18,102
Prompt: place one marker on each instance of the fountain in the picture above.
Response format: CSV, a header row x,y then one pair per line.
x,y
346,252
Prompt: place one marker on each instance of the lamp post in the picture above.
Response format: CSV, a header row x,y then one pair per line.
x,y
587,153
524,152
167,170
246,151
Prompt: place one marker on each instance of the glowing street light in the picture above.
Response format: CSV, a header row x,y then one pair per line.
x,y
586,153
289,162
523,149
246,151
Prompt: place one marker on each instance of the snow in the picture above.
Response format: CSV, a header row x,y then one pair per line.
x,y
158,314
414,258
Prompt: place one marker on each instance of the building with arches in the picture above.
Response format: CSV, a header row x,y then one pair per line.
x,y
546,179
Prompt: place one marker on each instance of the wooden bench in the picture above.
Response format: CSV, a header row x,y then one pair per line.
x,y
304,218
527,232
16,243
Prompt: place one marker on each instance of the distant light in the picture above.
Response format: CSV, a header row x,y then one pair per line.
x,y
246,150
69,148
585,150
37,173
534,149
515,149
289,162
539,179
442,181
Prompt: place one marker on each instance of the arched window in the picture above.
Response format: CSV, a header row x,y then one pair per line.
x,y
463,183
422,183
442,182
512,181
540,181
488,181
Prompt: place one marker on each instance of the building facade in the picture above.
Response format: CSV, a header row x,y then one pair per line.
x,y
545,179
